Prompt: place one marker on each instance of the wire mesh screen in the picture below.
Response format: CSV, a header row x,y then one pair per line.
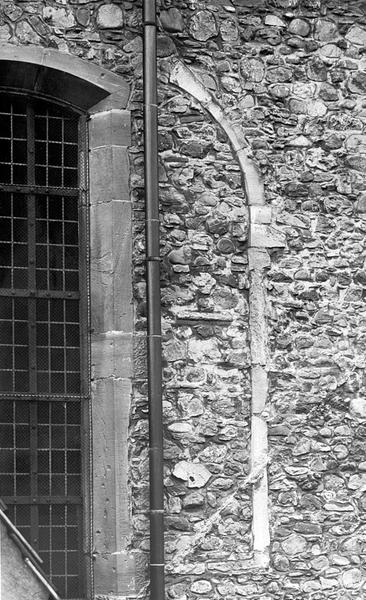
x,y
13,140
14,344
52,134
47,240
13,240
59,535
57,243
40,333
15,466
56,149
58,343
39,250
40,459
58,545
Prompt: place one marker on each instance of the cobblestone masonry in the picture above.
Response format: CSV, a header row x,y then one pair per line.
x,y
281,88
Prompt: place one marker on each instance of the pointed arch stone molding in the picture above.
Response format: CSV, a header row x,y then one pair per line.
x,y
262,235
104,97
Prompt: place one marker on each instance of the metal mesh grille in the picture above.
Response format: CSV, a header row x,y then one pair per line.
x,y
15,466
47,241
40,334
13,240
57,243
59,535
13,141
39,252
14,344
56,149
57,437
58,343
40,468
53,134
55,355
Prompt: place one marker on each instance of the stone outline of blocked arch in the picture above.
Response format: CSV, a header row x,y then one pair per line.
x,y
105,102
262,235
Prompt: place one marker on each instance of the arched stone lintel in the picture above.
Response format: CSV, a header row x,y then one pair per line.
x,y
55,74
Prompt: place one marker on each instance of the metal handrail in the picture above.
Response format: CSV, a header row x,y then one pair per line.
x,y
39,576
18,536
29,554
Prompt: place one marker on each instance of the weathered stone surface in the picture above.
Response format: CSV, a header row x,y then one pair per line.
x,y
229,30
182,256
194,474
352,578
83,16
299,27
109,16
356,35
317,108
274,21
252,69
59,17
193,500
281,562
316,70
175,350
329,53
294,544
358,407
13,12
25,33
172,20
325,30
357,83
203,26
357,162
201,587
263,236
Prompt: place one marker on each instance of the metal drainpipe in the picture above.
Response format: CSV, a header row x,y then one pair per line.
x,y
153,304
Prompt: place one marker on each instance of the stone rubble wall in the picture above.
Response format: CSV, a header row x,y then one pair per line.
x,y
205,281
289,77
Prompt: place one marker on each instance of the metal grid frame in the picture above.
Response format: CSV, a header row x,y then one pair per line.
x,y
63,336
43,457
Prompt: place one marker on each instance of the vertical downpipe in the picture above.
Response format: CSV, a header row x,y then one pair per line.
x,y
153,304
